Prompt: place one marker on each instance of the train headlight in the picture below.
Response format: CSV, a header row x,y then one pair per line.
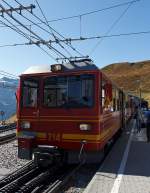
x,y
56,67
85,127
25,125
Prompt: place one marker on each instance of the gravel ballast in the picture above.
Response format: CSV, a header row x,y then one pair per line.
x,y
8,157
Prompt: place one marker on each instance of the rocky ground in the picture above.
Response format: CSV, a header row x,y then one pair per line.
x,y
9,162
8,158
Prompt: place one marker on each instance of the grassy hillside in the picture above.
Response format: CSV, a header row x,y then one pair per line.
x,y
131,77
12,119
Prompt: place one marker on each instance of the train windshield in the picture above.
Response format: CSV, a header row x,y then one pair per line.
x,y
30,92
72,91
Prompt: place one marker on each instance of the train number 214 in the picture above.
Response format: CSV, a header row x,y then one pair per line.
x,y
54,136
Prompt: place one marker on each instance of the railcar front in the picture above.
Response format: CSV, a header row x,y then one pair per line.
x,y
58,113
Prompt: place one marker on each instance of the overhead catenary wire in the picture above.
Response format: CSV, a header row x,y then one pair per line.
x,y
13,27
30,41
107,8
88,13
7,74
39,19
111,36
49,46
104,9
58,40
84,14
33,23
25,35
86,38
112,26
17,21
51,29
45,19
74,49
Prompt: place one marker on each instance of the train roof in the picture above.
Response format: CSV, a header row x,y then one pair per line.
x,y
85,64
37,69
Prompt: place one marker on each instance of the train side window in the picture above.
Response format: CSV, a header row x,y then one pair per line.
x,y
103,94
80,91
106,96
126,102
114,98
117,100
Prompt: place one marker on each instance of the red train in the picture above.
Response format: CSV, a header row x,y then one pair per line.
x,y
67,112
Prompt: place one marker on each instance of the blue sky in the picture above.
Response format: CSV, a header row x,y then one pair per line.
x,y
111,50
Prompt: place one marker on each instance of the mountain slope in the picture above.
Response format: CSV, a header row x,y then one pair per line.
x,y
131,77
7,96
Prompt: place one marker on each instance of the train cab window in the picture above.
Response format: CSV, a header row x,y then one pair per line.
x,y
80,91
74,90
114,98
69,91
55,91
30,92
87,89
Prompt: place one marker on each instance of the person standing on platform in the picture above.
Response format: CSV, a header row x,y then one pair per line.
x,y
139,118
148,126
136,117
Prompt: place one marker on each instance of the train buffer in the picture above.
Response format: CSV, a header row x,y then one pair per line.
x,y
126,169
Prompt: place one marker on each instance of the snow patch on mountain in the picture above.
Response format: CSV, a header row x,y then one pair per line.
x,y
8,88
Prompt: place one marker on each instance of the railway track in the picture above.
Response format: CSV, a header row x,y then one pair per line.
x,y
7,134
11,177
32,179
8,127
62,180
61,183
7,138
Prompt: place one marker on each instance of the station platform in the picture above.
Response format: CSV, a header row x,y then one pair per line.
x,y
126,169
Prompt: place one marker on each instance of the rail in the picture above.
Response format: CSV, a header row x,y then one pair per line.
x,y
7,127
7,138
34,179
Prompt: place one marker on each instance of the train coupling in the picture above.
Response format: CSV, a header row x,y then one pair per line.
x,y
44,156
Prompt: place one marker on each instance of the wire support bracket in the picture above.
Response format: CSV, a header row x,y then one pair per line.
x,y
20,9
